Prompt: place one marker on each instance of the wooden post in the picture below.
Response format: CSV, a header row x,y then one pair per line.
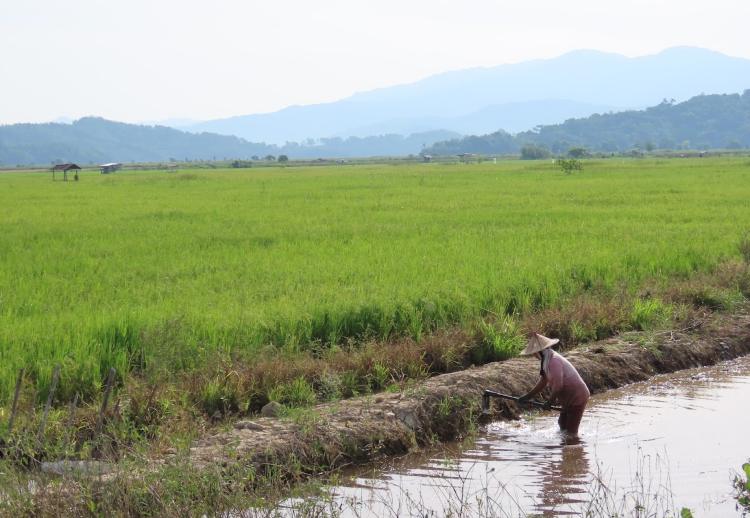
x,y
15,400
105,401
50,396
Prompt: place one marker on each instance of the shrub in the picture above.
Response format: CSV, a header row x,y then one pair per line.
x,y
569,165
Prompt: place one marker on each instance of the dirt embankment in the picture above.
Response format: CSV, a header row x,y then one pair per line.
x,y
357,431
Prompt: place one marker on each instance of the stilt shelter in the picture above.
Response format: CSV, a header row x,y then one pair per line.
x,y
64,168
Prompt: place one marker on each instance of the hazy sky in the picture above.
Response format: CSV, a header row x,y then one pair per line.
x,y
141,60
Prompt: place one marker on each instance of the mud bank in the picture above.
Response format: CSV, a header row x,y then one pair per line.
x,y
365,429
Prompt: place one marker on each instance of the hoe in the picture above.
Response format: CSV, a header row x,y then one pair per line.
x,y
491,393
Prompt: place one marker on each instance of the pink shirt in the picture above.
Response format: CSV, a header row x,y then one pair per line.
x,y
564,381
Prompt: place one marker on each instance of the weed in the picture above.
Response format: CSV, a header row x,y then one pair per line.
x,y
379,377
350,385
328,387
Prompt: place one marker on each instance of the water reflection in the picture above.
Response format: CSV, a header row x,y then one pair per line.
x,y
562,477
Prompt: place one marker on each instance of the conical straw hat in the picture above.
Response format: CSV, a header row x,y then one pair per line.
x,y
538,343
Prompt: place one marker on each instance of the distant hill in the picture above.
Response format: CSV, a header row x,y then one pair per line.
x,y
94,140
703,122
514,97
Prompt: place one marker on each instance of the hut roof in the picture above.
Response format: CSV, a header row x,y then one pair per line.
x,y
65,167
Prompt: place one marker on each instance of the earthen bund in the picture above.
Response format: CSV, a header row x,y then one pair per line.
x,y
445,407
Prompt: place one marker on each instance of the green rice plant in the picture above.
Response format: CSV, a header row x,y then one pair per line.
x,y
157,274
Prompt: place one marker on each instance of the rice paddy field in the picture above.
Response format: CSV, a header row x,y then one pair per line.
x,y
153,272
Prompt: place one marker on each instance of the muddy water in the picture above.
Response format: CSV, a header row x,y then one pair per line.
x,y
679,437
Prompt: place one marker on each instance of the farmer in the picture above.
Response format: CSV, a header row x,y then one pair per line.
x,y
563,379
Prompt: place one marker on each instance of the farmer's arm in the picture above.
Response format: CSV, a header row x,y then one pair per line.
x,y
540,385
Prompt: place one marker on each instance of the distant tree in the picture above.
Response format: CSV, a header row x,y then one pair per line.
x,y
283,158
255,157
567,166
577,152
270,158
534,152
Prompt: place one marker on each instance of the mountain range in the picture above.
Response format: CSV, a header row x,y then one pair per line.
x,y
510,104
513,97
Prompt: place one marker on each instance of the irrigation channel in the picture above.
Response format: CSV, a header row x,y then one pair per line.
x,y
674,440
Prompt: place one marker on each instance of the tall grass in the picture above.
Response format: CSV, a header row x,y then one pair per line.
x,y
155,273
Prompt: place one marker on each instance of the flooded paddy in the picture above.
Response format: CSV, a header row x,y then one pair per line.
x,y
671,442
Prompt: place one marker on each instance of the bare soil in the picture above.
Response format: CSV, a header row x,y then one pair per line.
x,y
445,407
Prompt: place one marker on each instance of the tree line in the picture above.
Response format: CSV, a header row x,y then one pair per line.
x,y
702,122
93,140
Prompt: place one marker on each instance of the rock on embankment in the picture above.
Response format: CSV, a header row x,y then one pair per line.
x,y
361,430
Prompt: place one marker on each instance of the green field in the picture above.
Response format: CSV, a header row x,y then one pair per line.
x,y
153,270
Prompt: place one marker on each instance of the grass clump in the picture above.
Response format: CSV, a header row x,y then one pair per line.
x,y
219,395
297,393
648,314
496,341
